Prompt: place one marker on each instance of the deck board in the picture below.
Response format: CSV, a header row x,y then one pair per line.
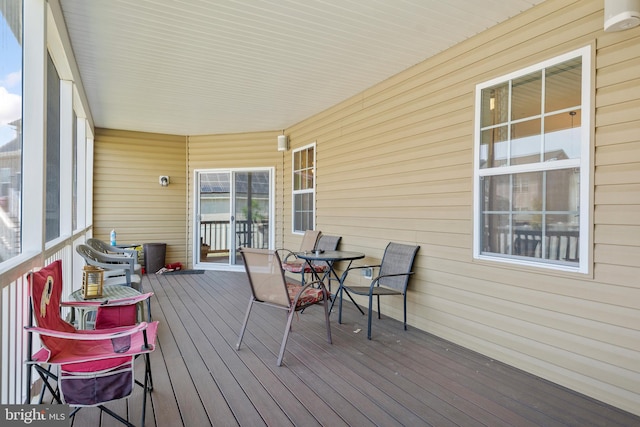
x,y
399,378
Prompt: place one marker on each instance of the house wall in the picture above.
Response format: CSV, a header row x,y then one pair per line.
x,y
254,150
128,196
395,163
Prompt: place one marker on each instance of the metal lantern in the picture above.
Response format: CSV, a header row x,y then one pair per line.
x,y
92,282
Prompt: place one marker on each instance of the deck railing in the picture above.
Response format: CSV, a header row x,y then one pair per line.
x,y
215,235
14,300
558,245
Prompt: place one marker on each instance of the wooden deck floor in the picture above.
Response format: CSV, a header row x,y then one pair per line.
x,y
398,379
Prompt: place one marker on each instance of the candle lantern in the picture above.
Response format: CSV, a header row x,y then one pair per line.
x,y
92,282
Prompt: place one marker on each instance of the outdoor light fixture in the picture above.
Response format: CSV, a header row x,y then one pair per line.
x,y
164,180
283,142
621,15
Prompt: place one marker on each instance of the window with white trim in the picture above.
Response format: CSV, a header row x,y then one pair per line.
x,y
304,188
531,163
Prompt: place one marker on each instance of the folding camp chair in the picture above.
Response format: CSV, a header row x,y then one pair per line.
x,y
87,367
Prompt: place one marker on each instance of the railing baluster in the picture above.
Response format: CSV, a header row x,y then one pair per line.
x,y
216,234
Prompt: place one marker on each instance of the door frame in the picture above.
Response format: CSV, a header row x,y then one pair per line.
x,y
195,235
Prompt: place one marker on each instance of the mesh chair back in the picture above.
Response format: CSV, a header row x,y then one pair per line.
x,y
309,240
46,294
266,276
328,243
397,259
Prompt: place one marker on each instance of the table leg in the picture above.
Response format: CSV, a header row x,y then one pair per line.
x,y
317,277
340,290
314,273
327,275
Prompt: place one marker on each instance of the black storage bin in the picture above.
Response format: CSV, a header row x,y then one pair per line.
x,y
154,254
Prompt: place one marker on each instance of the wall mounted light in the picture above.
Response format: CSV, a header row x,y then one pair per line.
x,y
164,180
621,15
283,142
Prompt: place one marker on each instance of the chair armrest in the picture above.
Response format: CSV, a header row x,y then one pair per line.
x,y
80,304
130,252
356,267
117,263
288,254
393,275
112,266
114,262
108,303
117,258
114,250
363,266
376,279
104,334
127,300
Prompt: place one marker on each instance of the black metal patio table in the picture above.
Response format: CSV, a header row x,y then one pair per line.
x,y
330,258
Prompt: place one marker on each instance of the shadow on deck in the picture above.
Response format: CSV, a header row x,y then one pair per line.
x,y
398,379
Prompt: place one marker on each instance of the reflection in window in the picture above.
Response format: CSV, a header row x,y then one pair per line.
x,y
533,133
252,208
10,128
215,196
532,215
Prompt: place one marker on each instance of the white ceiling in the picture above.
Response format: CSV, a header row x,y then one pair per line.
x,y
192,67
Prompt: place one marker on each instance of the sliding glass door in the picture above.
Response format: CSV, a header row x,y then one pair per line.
x,y
234,209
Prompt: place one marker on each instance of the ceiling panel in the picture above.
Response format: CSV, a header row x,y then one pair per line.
x,y
193,67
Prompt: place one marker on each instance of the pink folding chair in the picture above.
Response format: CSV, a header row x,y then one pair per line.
x,y
93,366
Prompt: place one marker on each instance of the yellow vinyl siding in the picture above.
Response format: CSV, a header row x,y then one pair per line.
x,y
400,168
250,150
127,195
395,163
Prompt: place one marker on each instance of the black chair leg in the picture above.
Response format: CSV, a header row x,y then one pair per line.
x,y
369,316
405,311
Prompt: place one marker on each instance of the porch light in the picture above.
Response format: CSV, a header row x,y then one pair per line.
x,y
283,143
621,15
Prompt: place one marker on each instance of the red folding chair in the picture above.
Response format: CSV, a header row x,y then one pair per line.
x,y
87,367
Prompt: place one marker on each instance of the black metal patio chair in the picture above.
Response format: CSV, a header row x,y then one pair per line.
x,y
393,278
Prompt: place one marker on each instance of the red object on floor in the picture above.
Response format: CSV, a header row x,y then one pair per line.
x,y
174,266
